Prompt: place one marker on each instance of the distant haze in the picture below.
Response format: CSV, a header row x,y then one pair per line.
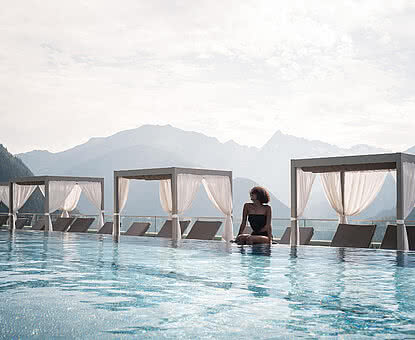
x,y
341,72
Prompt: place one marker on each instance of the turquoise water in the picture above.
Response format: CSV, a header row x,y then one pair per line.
x,y
87,286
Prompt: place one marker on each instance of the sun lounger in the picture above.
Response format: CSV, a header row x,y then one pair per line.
x,y
81,225
106,228
166,229
390,238
204,230
21,222
138,229
62,223
306,233
39,224
353,236
3,219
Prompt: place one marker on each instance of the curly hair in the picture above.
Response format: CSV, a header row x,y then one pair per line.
x,y
261,194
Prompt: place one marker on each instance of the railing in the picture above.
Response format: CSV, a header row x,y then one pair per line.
x,y
324,228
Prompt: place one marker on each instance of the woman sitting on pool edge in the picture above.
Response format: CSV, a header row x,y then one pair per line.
x,y
259,215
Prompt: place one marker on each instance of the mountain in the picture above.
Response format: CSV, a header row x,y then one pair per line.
x,y
157,146
11,167
411,150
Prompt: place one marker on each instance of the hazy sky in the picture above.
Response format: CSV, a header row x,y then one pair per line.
x,y
339,71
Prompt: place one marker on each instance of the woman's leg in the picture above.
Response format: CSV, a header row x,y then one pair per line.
x,y
257,239
242,239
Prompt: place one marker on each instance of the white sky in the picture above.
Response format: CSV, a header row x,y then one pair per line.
x,y
339,71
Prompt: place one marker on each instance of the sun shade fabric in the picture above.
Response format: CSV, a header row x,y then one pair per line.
x,y
305,182
123,187
360,189
58,193
92,191
21,194
187,187
166,196
219,191
4,195
408,187
408,178
71,201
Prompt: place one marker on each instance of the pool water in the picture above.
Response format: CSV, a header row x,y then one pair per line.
x,y
87,286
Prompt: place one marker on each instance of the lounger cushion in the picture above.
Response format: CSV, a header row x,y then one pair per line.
x,y
81,225
106,228
306,233
390,238
353,236
21,222
39,224
3,219
166,229
62,223
204,230
138,229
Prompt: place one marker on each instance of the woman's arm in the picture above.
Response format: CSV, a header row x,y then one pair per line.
x,y
244,217
269,223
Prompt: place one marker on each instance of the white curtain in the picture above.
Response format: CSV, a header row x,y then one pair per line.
x,y
42,189
4,194
71,201
92,191
332,190
360,190
123,187
305,182
219,191
165,196
187,186
58,193
408,187
21,194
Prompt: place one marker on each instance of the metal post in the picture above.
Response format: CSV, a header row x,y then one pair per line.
x,y
102,202
116,224
48,227
11,199
342,175
175,218
401,241
294,239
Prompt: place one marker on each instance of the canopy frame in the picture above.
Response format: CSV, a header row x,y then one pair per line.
x,y
44,180
386,161
154,174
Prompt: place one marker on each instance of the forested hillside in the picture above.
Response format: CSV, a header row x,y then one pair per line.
x,y
11,167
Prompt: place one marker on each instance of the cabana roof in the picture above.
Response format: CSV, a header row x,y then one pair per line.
x,y
40,180
56,194
302,181
172,180
386,161
167,173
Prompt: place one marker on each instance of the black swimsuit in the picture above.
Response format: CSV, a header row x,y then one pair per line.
x,y
258,222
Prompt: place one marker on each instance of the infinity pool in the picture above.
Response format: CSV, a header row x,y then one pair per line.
x,y
87,286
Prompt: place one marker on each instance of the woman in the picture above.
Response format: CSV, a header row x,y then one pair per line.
x,y
259,215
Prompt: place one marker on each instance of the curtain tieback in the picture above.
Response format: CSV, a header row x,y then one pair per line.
x,y
10,214
175,216
46,214
293,218
400,221
117,214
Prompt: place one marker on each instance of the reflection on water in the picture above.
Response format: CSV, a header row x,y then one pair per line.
x,y
86,286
